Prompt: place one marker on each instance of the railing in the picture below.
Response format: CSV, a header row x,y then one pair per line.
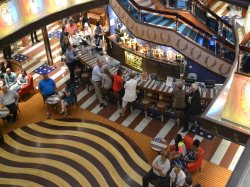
x,y
219,46
244,56
201,12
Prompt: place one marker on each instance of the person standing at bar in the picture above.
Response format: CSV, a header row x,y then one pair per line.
x,y
97,75
34,36
71,28
71,61
130,93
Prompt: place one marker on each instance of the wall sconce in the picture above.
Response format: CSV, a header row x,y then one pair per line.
x,y
6,14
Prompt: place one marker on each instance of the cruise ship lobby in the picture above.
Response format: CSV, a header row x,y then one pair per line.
x,y
88,131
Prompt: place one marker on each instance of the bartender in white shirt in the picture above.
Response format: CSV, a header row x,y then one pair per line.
x,y
97,74
158,172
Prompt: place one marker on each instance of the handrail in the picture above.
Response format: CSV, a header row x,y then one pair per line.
x,y
179,16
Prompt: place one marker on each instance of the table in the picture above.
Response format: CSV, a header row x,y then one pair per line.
x,y
53,100
4,112
158,144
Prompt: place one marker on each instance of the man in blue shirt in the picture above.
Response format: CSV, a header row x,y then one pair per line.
x,y
47,87
71,61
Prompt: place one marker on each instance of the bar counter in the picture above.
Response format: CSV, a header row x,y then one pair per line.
x,y
160,66
159,87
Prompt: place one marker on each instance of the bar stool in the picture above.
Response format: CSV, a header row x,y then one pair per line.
x,y
77,72
161,107
85,79
145,102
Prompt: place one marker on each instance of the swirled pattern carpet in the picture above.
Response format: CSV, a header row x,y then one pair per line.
x,y
73,153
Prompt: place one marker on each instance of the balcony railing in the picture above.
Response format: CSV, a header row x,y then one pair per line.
x,y
175,21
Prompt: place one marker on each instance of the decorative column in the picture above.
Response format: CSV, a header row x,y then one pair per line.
x,y
47,46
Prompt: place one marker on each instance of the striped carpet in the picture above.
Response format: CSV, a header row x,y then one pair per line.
x,y
219,151
220,8
59,153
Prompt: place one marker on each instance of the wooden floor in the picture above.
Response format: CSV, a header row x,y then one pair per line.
x,y
23,146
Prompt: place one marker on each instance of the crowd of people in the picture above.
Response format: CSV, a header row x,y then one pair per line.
x,y
11,84
170,167
82,29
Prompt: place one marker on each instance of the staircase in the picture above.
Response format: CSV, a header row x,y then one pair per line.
x,y
187,40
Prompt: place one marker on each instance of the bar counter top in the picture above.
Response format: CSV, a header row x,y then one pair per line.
x,y
158,86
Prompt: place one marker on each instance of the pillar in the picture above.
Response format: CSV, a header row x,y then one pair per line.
x,y
47,46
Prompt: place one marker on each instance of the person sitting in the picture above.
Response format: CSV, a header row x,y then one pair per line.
x,y
118,84
177,177
22,80
47,87
159,170
9,99
130,92
178,149
69,96
191,157
10,79
193,106
71,27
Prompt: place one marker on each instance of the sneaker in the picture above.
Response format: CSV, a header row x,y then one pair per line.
x,y
62,112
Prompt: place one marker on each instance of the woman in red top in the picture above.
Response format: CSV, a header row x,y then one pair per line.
x,y
118,84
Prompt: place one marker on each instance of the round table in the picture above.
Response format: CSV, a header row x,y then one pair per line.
x,y
159,144
4,112
53,100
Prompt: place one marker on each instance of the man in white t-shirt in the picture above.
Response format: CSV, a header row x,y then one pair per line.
x,y
158,172
130,92
177,177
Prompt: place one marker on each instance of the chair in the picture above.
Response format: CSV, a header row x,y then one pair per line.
x,y
74,101
191,167
28,88
85,76
145,102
